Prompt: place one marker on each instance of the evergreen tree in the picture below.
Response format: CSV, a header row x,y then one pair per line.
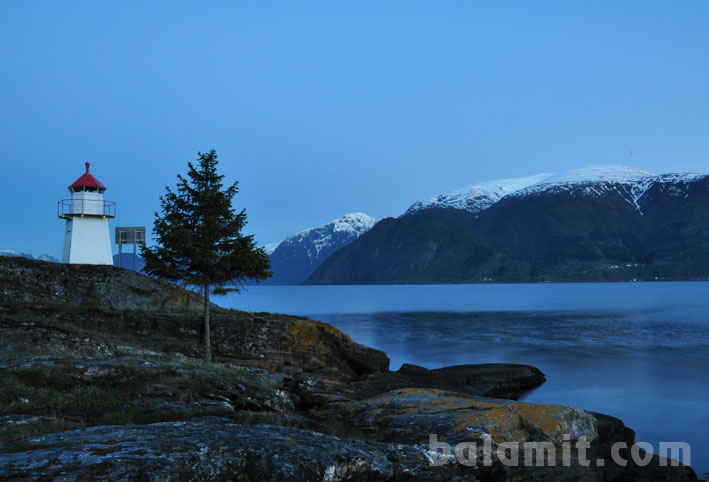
x,y
199,238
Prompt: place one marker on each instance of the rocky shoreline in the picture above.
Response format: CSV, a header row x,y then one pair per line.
x,y
115,390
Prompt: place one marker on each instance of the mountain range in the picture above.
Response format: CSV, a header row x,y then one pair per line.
x,y
11,253
598,223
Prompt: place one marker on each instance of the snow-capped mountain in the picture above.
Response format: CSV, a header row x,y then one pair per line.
x,y
594,180
23,254
477,197
294,258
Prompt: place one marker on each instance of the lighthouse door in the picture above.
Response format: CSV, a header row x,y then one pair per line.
x,y
67,241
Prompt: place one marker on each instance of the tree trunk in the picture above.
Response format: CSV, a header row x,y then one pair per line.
x,y
207,329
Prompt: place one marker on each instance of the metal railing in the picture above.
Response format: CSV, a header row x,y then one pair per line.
x,y
67,208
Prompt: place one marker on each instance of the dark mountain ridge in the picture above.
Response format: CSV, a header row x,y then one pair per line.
x,y
608,230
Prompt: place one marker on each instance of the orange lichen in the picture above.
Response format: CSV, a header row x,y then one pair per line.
x,y
504,421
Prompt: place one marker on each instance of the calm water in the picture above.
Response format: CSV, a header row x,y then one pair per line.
x,y
638,351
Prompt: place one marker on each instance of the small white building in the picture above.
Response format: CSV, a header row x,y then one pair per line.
x,y
86,239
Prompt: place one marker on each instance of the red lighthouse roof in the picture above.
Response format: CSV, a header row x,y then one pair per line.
x,y
87,181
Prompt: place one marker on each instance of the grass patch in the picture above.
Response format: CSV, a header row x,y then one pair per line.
x,y
65,388
280,316
57,387
22,431
54,378
134,417
227,371
340,429
53,312
82,398
142,292
255,418
331,426
198,385
42,308
171,347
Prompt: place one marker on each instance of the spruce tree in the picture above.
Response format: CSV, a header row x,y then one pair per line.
x,y
199,238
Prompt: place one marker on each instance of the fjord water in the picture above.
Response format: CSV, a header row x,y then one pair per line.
x,y
637,351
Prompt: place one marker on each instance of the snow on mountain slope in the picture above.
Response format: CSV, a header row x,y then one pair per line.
x,y
599,173
596,174
342,230
23,254
271,247
597,180
297,256
593,180
477,197
680,178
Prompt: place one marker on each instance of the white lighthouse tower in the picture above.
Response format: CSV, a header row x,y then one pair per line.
x,y
86,239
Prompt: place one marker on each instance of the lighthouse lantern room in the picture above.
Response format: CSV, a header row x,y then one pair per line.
x,y
86,239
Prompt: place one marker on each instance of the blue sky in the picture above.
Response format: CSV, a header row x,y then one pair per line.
x,y
324,108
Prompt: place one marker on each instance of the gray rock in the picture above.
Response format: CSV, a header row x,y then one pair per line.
x,y
30,281
207,449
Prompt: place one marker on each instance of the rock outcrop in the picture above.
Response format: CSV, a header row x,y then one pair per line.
x,y
291,343
409,415
488,380
30,281
96,392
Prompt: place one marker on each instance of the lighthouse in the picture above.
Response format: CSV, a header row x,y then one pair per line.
x,y
86,238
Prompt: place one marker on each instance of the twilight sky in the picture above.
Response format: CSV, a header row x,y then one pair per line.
x,y
325,108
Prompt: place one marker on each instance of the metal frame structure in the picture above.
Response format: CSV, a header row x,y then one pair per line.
x,y
88,207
